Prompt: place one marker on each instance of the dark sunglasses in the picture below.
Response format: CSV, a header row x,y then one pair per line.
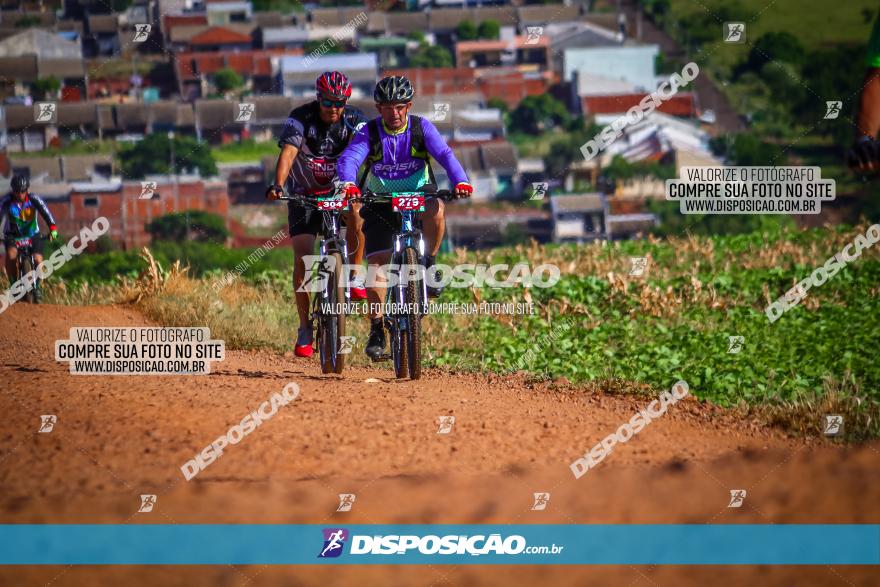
x,y
332,103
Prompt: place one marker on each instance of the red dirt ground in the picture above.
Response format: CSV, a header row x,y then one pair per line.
x,y
120,436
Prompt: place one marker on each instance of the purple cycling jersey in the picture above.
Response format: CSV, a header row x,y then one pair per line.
x,y
398,170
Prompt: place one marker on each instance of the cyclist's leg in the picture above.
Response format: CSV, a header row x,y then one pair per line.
x,y
354,234
303,244
304,225
38,248
433,225
380,225
376,289
11,261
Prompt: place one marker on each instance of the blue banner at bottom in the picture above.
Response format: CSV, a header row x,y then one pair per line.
x,y
520,544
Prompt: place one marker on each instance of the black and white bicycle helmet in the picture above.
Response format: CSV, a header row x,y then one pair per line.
x,y
394,89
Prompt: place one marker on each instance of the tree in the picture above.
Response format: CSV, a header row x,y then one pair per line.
x,y
152,155
656,9
227,80
499,104
431,56
46,86
489,29
418,36
745,149
466,31
832,73
773,46
196,225
539,113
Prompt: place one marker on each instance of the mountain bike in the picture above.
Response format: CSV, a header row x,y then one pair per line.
x,y
331,286
25,264
410,295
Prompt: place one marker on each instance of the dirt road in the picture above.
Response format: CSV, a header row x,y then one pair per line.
x,y
118,437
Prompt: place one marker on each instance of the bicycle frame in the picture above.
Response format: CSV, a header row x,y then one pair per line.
x,y
410,235
331,242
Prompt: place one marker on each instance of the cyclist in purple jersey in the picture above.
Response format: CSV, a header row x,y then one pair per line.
x,y
396,147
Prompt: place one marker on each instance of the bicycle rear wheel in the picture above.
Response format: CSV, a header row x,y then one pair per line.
x,y
413,318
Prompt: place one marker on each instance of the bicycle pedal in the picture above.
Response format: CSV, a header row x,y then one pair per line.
x,y
380,358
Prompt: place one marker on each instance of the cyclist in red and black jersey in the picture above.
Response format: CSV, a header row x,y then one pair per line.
x,y
313,138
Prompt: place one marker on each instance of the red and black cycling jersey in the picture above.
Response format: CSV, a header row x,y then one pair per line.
x,y
319,144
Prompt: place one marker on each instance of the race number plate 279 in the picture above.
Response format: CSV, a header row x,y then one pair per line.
x,y
332,203
403,203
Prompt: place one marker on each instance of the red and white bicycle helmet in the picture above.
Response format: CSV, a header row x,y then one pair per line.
x,y
333,84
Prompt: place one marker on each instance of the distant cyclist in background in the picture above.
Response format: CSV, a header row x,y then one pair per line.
x,y
18,210
313,137
864,157
396,147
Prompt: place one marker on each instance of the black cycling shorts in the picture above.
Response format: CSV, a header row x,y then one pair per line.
x,y
381,223
37,244
306,220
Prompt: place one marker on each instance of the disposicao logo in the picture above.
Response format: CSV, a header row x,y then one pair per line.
x,y
334,541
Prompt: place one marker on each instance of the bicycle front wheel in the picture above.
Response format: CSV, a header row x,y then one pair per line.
x,y
332,320
27,266
412,295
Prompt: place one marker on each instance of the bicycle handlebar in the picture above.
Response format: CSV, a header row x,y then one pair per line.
x,y
371,196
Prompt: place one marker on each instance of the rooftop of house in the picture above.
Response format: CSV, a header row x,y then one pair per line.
x,y
518,42
41,43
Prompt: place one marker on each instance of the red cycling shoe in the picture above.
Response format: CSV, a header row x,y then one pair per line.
x,y
303,347
357,288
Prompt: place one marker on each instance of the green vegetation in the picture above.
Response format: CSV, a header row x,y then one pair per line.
x,y
227,80
814,22
489,29
466,31
196,225
431,56
46,87
244,150
152,155
536,114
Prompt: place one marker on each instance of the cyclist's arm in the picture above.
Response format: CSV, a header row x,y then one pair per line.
x,y
353,156
442,153
43,209
868,121
289,142
285,162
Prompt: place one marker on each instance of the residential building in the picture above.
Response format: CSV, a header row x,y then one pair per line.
x,y
77,204
62,168
101,37
579,218
288,37
195,71
35,54
221,39
224,13
296,75
520,50
632,64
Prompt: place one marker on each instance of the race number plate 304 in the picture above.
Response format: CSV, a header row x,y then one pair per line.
x,y
332,203
403,203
